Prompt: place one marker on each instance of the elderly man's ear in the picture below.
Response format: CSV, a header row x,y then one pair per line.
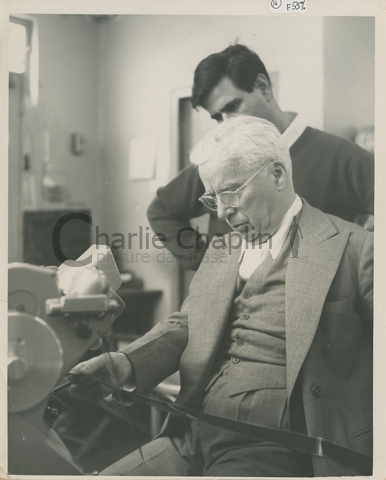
x,y
280,174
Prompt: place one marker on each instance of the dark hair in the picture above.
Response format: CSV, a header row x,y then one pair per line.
x,y
237,62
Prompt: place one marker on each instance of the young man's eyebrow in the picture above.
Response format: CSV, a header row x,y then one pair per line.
x,y
217,116
234,102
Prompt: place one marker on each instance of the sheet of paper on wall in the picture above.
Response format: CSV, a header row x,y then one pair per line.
x,y
142,157
162,170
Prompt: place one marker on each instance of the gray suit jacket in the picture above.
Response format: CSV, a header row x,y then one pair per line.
x,y
328,316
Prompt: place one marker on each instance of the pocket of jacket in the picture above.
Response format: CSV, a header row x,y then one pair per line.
x,y
338,306
339,325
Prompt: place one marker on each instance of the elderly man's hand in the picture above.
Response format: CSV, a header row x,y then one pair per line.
x,y
109,368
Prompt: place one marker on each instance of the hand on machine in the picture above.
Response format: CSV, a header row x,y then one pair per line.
x,y
91,379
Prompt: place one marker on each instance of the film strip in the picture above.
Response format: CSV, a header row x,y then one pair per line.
x,y
295,441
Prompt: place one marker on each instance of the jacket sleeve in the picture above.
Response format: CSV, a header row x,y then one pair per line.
x,y
170,213
366,279
358,178
156,355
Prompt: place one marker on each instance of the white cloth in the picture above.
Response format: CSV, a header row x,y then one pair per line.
x,y
294,129
252,255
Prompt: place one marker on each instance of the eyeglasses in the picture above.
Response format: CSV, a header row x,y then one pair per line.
x,y
229,197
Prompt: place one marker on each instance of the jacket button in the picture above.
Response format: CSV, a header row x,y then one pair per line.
x,y
245,316
247,295
316,390
235,359
239,342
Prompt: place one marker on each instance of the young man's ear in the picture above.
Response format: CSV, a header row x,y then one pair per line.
x,y
262,83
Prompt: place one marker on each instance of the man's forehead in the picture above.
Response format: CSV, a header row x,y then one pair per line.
x,y
223,93
218,177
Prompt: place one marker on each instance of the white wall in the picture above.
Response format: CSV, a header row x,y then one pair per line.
x,y
68,103
349,74
145,58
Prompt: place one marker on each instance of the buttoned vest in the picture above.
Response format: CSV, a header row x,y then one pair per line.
x,y
254,347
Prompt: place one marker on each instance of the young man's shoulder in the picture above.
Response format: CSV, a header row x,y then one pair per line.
x,y
313,138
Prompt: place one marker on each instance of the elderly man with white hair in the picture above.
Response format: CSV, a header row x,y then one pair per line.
x,y
266,337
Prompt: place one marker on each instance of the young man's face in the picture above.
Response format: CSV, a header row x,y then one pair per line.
x,y
226,101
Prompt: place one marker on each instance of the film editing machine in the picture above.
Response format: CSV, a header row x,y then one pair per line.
x,y
55,316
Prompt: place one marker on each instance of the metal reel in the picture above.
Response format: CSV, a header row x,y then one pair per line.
x,y
35,361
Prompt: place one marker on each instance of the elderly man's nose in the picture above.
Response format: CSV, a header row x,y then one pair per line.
x,y
223,210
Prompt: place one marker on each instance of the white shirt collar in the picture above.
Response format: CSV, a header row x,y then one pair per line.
x,y
276,242
294,129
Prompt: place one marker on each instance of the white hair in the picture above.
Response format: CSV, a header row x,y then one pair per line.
x,y
250,141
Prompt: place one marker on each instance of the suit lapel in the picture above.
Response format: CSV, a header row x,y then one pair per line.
x,y
211,297
308,280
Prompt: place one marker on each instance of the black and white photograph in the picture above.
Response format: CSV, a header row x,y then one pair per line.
x,y
191,195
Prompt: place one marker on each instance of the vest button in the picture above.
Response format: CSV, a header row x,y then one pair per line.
x,y
239,342
235,359
245,316
247,295
316,390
